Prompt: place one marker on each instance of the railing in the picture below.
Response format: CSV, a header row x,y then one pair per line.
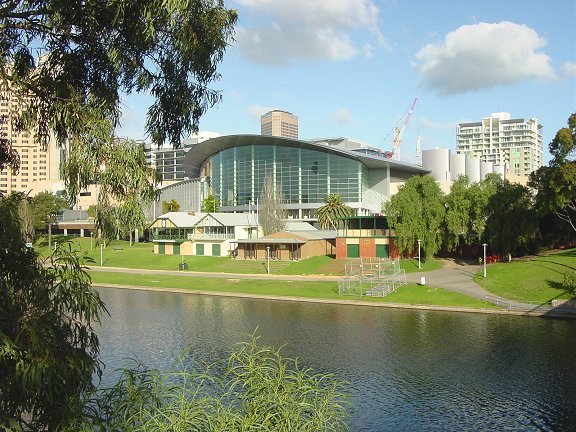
x,y
169,237
210,236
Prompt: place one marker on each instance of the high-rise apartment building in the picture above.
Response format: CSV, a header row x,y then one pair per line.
x,y
513,143
38,166
279,123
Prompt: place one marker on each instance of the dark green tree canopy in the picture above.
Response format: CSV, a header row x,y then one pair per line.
x,y
417,212
68,61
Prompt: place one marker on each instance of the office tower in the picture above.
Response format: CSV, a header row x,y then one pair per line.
x,y
279,123
513,143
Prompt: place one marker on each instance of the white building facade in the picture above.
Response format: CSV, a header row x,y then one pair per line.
x,y
500,140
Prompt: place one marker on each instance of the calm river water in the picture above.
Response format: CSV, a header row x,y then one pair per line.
x,y
407,370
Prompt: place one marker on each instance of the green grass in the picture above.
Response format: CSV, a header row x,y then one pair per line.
x,y
141,255
537,279
410,265
410,294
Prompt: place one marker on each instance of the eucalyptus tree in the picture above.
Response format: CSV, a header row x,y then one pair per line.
x,y
127,184
65,65
512,222
416,212
48,346
458,205
332,210
556,183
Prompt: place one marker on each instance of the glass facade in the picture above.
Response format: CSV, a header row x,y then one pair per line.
x,y
306,176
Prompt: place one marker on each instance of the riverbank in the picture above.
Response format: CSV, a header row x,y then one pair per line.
x,y
350,302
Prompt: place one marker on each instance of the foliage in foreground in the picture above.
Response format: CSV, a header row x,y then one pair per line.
x,y
48,347
257,389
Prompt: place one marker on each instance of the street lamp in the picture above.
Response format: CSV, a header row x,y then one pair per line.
x,y
419,263
267,259
484,262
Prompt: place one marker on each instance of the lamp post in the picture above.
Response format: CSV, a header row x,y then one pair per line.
x,y
419,262
101,253
267,259
484,261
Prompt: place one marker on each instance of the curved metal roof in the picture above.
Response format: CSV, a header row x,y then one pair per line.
x,y
202,151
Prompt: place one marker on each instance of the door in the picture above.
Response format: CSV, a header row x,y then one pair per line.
x,y
382,251
216,251
199,249
161,248
176,249
352,251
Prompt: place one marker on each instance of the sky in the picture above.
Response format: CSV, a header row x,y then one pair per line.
x,y
352,68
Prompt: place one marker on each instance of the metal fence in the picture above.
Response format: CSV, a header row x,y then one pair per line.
x,y
371,277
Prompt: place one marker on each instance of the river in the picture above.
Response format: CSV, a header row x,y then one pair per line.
x,y
407,370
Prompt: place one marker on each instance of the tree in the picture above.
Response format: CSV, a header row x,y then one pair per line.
x,y
512,223
271,214
458,214
257,389
332,210
170,206
210,204
90,52
556,183
416,212
45,207
127,184
48,349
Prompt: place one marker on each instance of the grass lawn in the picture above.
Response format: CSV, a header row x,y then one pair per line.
x,y
141,255
410,294
536,279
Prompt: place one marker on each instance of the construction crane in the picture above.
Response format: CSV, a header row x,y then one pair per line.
x,y
398,130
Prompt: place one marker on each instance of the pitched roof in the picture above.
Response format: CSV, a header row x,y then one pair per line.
x,y
182,219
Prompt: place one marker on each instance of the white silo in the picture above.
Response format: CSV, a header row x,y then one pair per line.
x,y
437,161
473,170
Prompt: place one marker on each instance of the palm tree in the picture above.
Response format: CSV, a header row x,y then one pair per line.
x,y
170,206
332,210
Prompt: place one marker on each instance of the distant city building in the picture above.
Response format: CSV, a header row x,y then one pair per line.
x,y
168,161
500,140
279,123
38,166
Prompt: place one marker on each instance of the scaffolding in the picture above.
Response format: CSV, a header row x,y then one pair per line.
x,y
371,277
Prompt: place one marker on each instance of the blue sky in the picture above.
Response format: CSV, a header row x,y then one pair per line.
x,y
353,67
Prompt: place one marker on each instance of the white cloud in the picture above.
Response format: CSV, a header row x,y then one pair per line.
x,y
569,69
482,56
341,116
284,32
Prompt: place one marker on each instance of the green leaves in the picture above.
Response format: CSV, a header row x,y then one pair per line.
x,y
417,212
257,389
48,347
331,211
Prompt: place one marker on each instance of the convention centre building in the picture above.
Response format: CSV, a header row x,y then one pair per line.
x,y
234,169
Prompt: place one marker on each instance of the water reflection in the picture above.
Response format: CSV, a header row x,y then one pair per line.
x,y
407,370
